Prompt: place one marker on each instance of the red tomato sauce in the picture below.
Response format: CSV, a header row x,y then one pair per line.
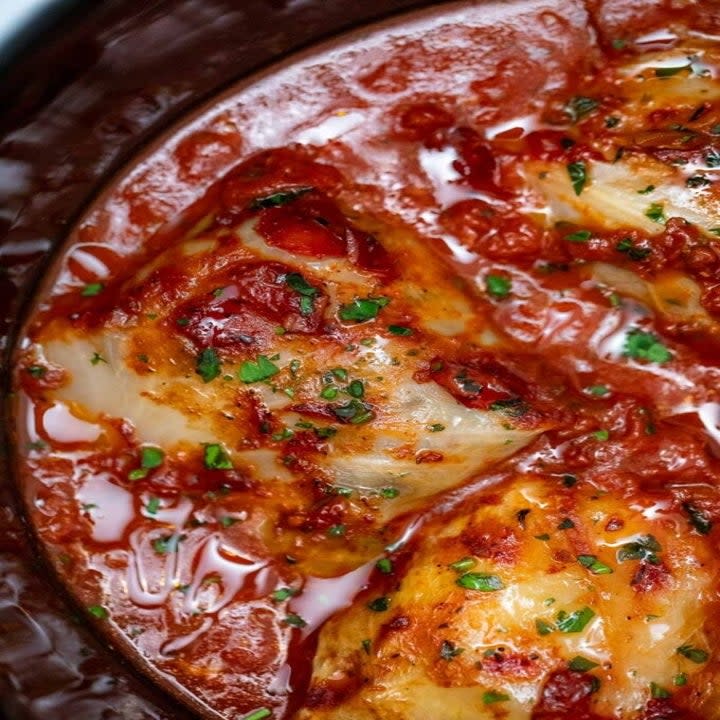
x,y
242,579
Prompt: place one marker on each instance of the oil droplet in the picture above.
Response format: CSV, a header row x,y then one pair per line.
x,y
111,508
60,425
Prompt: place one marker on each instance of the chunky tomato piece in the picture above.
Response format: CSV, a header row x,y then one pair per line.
x,y
566,695
273,171
250,302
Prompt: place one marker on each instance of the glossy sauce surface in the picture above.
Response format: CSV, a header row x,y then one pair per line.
x,y
223,422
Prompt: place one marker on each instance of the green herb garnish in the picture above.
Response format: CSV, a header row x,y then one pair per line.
x,y
693,654
307,292
99,612
628,247
579,106
282,594
208,365
261,369
575,621
277,199
380,604
498,286
641,345
294,621
384,565
644,548
578,176
482,582
580,236
92,289
656,213
216,458
698,519
581,664
449,650
595,566
400,330
362,309
491,697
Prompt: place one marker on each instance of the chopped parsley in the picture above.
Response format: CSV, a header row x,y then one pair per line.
x,y
581,664
644,548
336,531
99,612
641,345
379,604
595,566
97,358
579,106
698,519
307,292
670,71
512,407
389,493
294,621
578,176
449,650
400,330
151,457
167,544
216,458
498,286
482,582
601,435
574,622
356,389
362,309
261,369
658,692
712,159
462,565
436,427
384,565
612,121
680,679
282,594
646,190
354,412
37,371
92,289
543,627
491,697
628,247
277,199
656,213
153,505
698,181
566,524
208,365
598,390
693,654
259,714
580,236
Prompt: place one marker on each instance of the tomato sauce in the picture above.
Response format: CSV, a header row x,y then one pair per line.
x,y
220,584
